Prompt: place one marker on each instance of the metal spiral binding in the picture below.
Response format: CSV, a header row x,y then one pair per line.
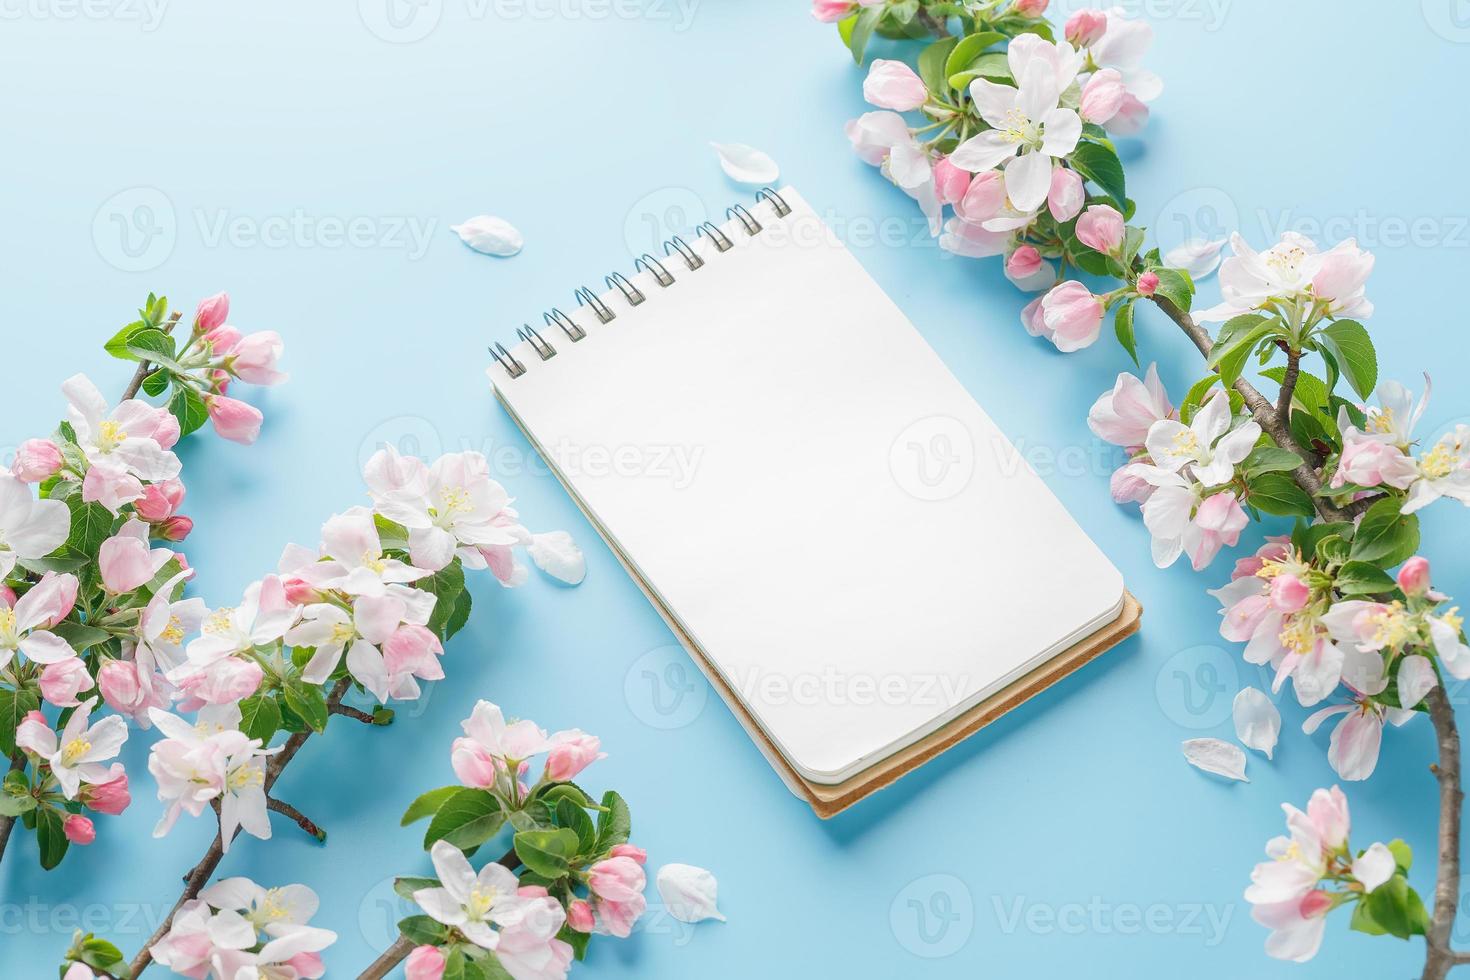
x,y
635,296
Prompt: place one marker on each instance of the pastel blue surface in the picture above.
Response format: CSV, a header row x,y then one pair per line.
x,y
310,158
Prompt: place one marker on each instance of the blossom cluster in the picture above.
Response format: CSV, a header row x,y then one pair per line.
x,y
237,929
87,577
579,875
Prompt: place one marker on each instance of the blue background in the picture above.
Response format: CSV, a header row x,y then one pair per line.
x,y
1069,839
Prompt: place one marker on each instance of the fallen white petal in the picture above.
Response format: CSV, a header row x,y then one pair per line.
x,y
556,554
491,235
745,164
1213,755
1416,679
1198,256
1257,722
689,893
1374,866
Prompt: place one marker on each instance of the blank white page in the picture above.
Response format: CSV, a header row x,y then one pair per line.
x,y
849,539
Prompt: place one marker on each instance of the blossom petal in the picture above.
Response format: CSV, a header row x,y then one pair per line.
x,y
490,235
1374,866
1200,257
745,164
982,152
1028,179
1257,722
1215,756
1416,679
556,554
690,894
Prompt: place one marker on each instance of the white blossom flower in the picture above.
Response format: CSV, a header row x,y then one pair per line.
x,y
471,902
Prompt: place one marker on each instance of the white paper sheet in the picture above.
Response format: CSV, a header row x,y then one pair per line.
x,y
818,502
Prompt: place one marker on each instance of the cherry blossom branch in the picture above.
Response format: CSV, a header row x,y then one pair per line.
x,y
145,368
17,762
1264,413
1440,956
402,946
302,820
1288,380
204,870
382,716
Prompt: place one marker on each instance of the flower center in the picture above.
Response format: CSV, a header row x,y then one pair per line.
x,y
456,500
374,561
1452,619
7,629
1186,443
1286,262
1018,128
173,633
244,777
219,620
110,435
1440,461
1300,636
1390,626
270,909
480,902
1381,421
75,750
342,633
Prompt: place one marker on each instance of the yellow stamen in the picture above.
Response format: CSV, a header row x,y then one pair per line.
x,y
173,632
376,562
342,633
1186,443
110,435
74,751
481,900
220,620
245,776
1300,636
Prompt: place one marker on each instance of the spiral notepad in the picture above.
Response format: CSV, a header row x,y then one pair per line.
x,y
857,558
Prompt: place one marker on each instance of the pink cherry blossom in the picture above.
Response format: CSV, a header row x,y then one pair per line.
x,y
176,528
125,560
63,680
1101,228
1071,317
234,420
1103,96
1124,415
1413,577
255,356
1129,487
1369,461
617,883
223,340
1148,283
580,917
1220,519
212,312
1066,196
894,85
630,851
1023,263
571,752
1031,8
111,797
424,963
1085,27
473,764
79,829
1289,593
950,182
160,501
36,459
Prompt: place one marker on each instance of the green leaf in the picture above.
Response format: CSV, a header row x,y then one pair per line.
x,y
574,818
460,616
1403,854
427,804
118,345
969,49
188,408
157,382
614,824
91,524
547,852
15,794
404,886
1195,396
14,706
1349,340
1100,164
308,702
1237,337
1277,493
466,819
1362,578
260,717
857,30
79,635
102,955
993,65
1123,327
1310,393
1363,921
1309,538
154,346
1269,459
50,836
446,585
1385,536
554,793
1176,286
1396,908
421,930
931,64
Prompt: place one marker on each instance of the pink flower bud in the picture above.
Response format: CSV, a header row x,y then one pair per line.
x,y
1101,229
125,563
111,797
306,965
63,597
617,879
831,11
424,963
1148,283
1317,903
234,420
1126,486
1103,96
580,917
160,501
300,592
255,357
35,460
1023,262
1289,594
473,764
1086,27
118,680
165,430
893,85
1414,576
629,851
1031,8
950,182
212,312
1071,316
62,681
1066,196
223,340
176,528
79,829
7,596
573,752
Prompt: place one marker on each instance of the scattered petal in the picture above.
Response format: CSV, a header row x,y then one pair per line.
x,y
556,554
1257,722
1198,256
689,893
491,235
1374,866
1213,755
1416,679
745,164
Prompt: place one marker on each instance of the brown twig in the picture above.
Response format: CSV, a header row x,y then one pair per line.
x,y
7,824
202,872
302,820
356,714
1288,382
402,946
1440,957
